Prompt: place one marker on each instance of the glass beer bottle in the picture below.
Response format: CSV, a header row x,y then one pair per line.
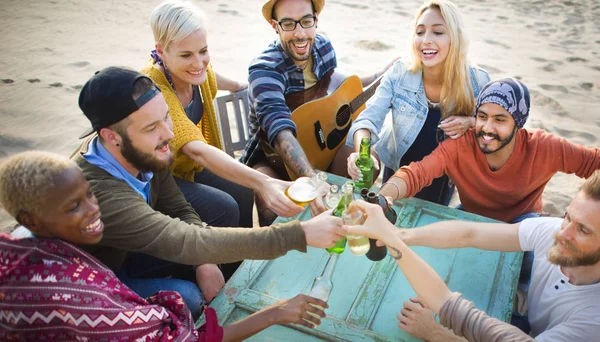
x,y
365,165
333,197
347,197
378,253
323,285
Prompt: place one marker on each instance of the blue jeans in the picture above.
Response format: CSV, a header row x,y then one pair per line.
x,y
145,275
218,202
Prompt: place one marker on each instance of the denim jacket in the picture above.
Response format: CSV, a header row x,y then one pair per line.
x,y
403,92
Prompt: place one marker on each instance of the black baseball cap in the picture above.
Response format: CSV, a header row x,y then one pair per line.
x,y
106,98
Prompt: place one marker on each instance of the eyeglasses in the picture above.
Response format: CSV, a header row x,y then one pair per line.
x,y
290,24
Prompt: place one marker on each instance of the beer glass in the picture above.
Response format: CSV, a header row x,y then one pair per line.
x,y
302,191
354,215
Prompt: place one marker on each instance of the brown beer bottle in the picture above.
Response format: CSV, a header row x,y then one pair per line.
x,y
376,253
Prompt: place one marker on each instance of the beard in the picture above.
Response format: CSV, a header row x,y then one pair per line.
x,y
145,162
292,53
555,257
503,142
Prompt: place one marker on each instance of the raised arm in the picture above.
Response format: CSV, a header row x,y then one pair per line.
x,y
427,284
292,154
221,164
409,180
458,234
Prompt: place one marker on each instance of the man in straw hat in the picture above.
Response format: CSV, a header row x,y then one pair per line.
x,y
295,62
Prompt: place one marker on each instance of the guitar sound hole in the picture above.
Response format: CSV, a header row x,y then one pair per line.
x,y
343,116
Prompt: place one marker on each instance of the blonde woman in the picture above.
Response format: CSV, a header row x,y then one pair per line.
x,y
216,185
431,97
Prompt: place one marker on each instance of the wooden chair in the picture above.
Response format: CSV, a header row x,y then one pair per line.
x,y
232,113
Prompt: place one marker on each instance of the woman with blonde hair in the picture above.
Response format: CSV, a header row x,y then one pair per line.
x,y
431,96
216,185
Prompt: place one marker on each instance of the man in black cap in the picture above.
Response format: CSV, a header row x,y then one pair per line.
x,y
127,164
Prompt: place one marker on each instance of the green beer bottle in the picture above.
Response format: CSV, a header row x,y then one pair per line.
x,y
365,165
347,197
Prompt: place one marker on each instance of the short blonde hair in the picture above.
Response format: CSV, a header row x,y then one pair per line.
x,y
457,97
174,20
26,177
591,187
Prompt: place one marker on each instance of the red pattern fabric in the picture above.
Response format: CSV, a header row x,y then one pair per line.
x,y
53,291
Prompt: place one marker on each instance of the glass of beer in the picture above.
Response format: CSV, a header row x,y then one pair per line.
x,y
354,215
302,191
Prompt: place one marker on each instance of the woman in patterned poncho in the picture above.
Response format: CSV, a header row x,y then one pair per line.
x,y
51,290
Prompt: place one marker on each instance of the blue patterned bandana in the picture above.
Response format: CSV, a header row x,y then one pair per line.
x,y
509,94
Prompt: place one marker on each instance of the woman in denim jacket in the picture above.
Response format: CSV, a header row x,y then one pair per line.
x,y
432,97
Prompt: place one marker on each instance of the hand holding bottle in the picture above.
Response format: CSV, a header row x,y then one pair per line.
x,y
323,231
302,309
375,227
353,170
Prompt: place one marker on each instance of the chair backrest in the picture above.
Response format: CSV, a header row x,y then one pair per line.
x,y
232,112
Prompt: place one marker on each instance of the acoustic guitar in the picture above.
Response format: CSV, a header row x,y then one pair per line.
x,y
323,115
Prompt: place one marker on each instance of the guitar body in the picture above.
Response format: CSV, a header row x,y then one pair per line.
x,y
323,115
323,124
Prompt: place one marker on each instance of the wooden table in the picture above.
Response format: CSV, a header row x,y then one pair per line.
x,y
368,295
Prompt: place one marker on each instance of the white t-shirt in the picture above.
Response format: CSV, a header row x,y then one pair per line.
x,y
557,310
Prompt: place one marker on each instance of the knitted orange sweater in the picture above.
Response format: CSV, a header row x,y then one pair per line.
x,y
513,190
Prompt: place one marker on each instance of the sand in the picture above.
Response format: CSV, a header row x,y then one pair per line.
x,y
50,48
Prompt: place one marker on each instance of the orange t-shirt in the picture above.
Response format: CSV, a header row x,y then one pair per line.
x,y
513,190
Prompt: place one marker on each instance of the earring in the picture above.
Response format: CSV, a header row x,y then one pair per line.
x,y
118,144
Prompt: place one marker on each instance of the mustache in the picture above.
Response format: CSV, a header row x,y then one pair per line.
x,y
163,144
300,40
480,133
566,244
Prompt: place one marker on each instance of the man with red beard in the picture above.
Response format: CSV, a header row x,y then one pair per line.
x,y
564,295
152,236
291,64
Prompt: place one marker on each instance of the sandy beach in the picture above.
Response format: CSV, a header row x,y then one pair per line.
x,y
50,48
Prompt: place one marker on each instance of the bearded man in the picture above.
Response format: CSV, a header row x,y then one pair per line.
x,y
500,168
297,61
564,296
152,236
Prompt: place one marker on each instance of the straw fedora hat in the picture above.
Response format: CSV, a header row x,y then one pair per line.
x,y
267,9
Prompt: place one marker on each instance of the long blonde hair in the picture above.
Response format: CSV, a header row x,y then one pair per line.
x,y
457,97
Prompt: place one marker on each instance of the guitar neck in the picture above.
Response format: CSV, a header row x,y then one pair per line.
x,y
362,98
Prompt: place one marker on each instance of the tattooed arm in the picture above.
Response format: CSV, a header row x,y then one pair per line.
x,y
292,154
294,157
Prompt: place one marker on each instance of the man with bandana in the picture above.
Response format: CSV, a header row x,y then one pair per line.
x,y
500,169
295,62
153,239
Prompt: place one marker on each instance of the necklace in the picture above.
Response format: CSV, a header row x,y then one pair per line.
x,y
432,105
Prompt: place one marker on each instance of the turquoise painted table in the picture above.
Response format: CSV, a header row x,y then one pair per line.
x,y
368,295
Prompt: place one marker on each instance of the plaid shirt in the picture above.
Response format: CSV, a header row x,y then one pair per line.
x,y
272,76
